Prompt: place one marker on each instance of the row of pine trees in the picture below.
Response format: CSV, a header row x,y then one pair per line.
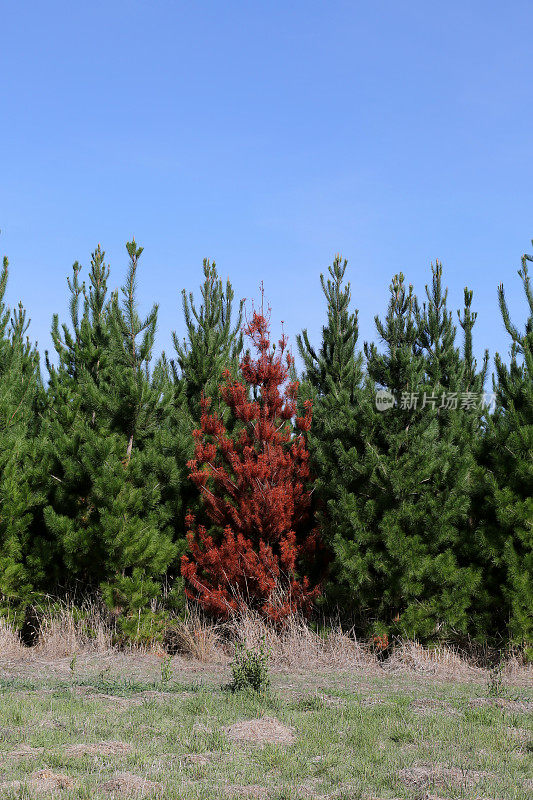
x,y
420,515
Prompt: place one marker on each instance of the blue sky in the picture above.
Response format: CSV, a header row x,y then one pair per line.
x,y
268,135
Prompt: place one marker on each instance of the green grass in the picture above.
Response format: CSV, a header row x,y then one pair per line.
x,y
357,735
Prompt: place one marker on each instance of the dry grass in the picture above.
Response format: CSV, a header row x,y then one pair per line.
x,y
440,660
516,669
437,775
196,638
264,730
126,784
61,630
66,630
248,792
10,644
25,751
297,646
43,781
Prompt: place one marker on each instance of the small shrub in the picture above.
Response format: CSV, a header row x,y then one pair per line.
x,y
380,645
250,668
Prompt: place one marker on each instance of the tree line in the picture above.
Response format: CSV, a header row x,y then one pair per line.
x,y
374,483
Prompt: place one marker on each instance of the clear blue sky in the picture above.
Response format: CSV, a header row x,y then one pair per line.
x,y
268,135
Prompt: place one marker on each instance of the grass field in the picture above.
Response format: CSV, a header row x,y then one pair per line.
x,y
105,725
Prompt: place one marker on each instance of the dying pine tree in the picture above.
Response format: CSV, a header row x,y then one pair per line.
x,y
261,549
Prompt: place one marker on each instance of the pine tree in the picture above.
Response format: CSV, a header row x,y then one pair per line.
x,y
505,501
255,491
213,342
114,479
446,367
395,512
454,378
76,436
24,557
338,365
373,550
342,411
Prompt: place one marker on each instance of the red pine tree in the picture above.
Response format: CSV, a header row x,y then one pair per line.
x,y
255,489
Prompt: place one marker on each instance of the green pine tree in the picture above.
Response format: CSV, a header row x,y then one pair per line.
x,y
395,511
505,500
342,410
455,380
114,481
213,342
24,555
149,409
75,436
338,364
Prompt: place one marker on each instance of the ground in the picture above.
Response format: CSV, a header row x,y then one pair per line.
x,y
106,726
